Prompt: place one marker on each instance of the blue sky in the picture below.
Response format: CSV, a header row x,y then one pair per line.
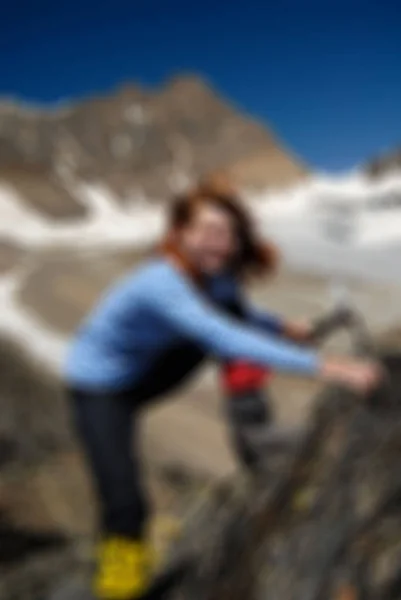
x,y
325,75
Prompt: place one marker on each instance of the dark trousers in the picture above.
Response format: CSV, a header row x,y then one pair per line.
x,y
108,426
108,429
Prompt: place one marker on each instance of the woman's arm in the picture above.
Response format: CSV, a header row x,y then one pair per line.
x,y
264,320
174,299
268,322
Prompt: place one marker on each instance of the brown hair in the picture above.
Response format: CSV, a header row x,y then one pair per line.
x,y
254,256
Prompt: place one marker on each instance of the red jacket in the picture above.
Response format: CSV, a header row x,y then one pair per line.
x,y
241,376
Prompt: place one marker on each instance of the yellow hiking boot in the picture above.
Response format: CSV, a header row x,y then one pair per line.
x,y
124,569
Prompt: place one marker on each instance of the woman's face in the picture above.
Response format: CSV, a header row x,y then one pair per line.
x,y
209,240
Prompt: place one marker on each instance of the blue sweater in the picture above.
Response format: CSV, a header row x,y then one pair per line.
x,y
157,307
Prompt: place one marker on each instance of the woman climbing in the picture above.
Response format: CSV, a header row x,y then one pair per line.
x,y
149,334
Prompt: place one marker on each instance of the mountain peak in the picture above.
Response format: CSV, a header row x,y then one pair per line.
x,y
135,140
188,83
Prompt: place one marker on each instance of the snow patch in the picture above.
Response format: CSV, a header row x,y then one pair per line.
x,y
135,114
348,222
15,321
109,222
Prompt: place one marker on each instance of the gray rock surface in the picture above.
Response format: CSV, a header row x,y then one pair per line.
x,y
325,524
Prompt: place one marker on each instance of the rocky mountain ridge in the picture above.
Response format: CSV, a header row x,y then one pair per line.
x,y
138,143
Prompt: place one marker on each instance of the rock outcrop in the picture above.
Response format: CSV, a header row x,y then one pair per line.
x,y
325,523
34,423
386,163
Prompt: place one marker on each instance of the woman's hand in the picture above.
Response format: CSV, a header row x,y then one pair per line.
x,y
361,375
298,331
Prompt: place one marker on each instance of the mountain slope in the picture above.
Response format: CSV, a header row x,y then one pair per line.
x,y
136,142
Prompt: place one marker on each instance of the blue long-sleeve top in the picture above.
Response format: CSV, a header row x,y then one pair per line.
x,y
157,307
